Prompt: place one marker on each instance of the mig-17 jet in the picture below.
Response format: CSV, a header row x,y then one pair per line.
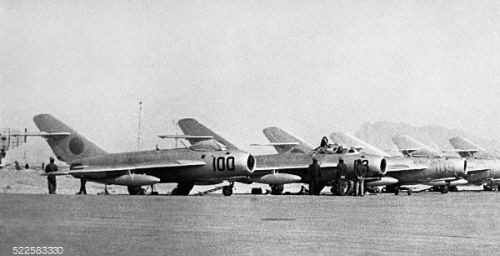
x,y
479,156
443,172
417,167
291,164
205,162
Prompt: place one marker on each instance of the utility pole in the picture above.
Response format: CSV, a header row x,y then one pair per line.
x,y
139,127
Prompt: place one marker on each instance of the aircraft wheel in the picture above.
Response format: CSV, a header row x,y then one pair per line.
x,y
227,190
444,189
396,191
409,191
136,190
277,189
453,188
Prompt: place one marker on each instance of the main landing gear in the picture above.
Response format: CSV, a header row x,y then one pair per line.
x,y
228,190
444,189
136,190
277,189
397,189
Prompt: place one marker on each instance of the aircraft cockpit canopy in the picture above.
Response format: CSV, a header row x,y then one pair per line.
x,y
208,145
336,149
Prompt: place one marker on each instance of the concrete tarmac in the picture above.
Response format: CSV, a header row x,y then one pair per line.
x,y
463,223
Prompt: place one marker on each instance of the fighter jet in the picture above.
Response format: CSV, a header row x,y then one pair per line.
x,y
291,164
443,172
203,163
479,156
421,165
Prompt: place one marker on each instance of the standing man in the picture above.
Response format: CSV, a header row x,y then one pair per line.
x,y
51,179
341,176
83,190
314,175
358,181
364,172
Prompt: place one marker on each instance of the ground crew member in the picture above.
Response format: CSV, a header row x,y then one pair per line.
x,y
359,178
364,172
341,176
350,178
361,172
51,179
314,175
83,190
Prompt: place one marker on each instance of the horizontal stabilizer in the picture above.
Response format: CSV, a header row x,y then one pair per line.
x,y
277,144
42,134
185,137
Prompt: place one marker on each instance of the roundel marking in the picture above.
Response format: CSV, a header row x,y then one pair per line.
x,y
76,146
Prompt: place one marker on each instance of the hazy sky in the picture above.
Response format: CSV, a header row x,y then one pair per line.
x,y
311,67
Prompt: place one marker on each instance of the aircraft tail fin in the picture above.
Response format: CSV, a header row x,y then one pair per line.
x,y
278,135
191,126
67,147
465,148
412,147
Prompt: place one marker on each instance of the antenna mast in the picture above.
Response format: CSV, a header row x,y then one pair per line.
x,y
139,127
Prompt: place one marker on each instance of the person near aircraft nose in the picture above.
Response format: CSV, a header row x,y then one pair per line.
x,y
314,175
350,179
341,177
359,178
364,172
51,179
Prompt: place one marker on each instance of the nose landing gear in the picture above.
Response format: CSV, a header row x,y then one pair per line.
x,y
228,190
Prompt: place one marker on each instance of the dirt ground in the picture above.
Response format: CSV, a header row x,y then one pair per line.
x,y
462,223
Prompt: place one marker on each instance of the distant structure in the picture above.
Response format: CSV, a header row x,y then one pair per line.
x,y
8,141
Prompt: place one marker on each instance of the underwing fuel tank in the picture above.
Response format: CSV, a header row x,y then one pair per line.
x,y
459,182
132,180
277,178
382,181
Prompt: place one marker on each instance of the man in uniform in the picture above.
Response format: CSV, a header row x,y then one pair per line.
x,y
83,190
364,172
341,176
314,175
357,182
350,178
361,169
51,179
